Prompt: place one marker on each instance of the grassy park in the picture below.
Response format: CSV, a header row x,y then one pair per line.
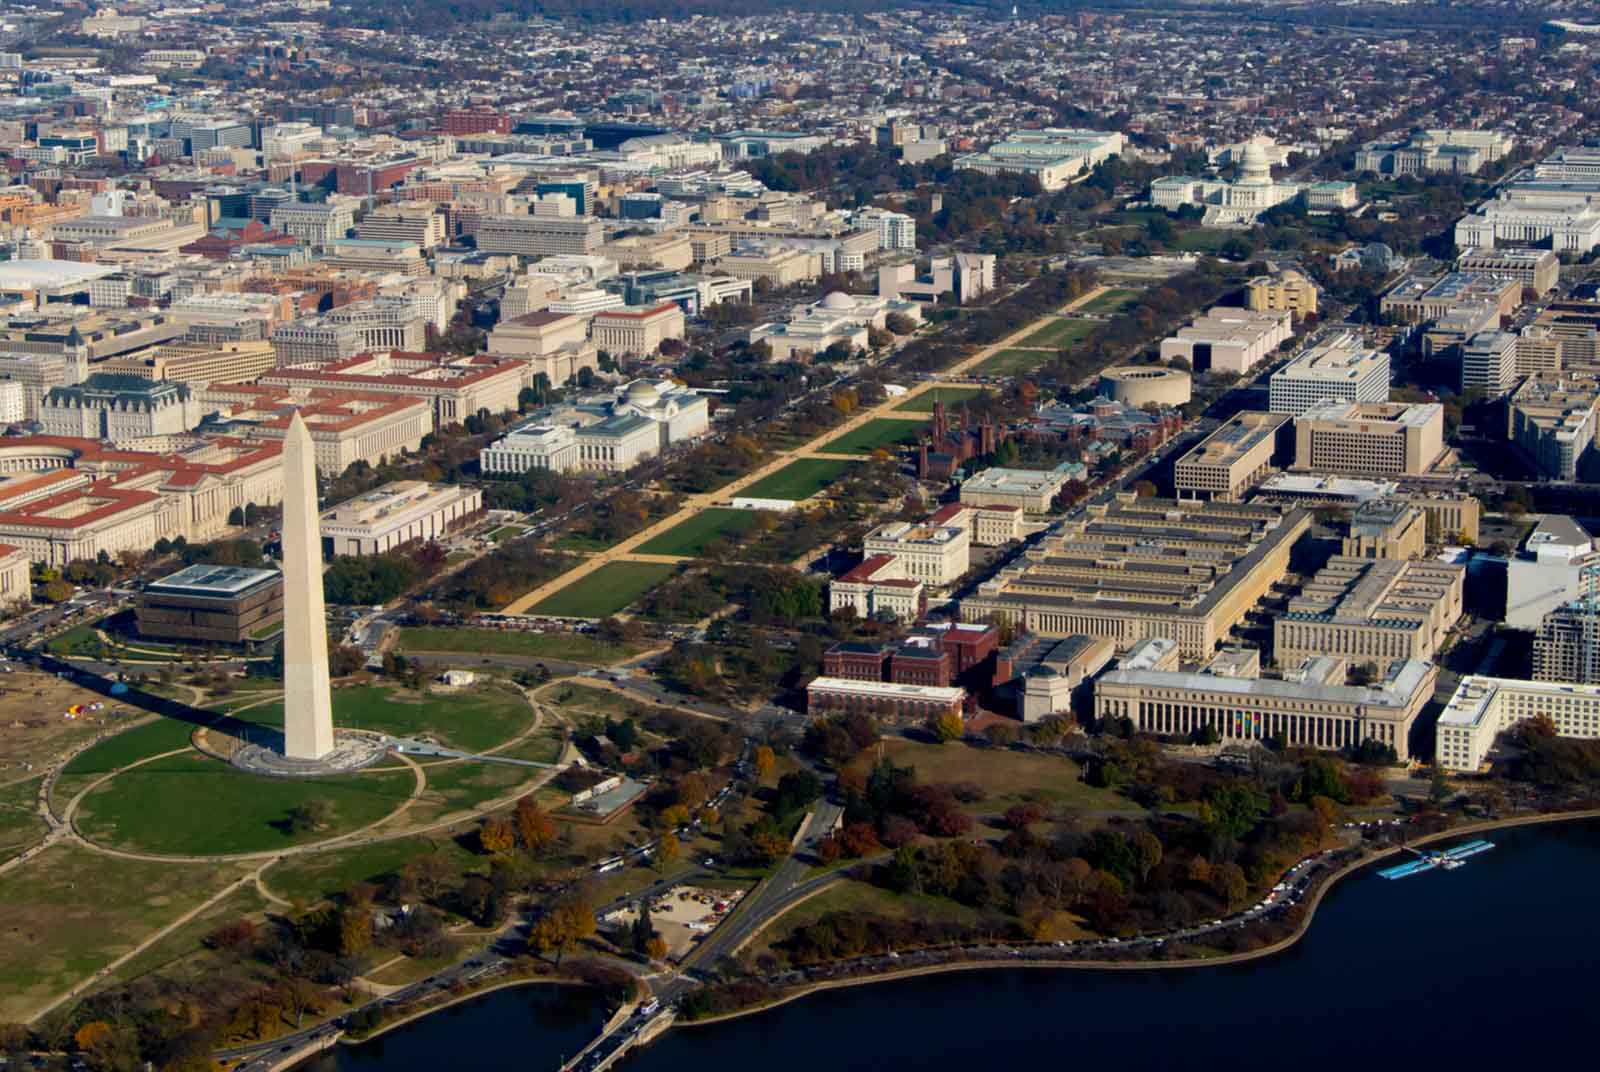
x,y
314,876
505,532
129,746
567,647
1008,777
72,911
883,433
20,825
690,537
1205,239
1059,334
193,805
1112,302
605,591
952,397
798,480
1011,362
473,720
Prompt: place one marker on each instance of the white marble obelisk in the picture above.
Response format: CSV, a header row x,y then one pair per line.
x,y
307,702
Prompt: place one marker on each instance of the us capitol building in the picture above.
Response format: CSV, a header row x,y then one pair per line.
x,y
1241,202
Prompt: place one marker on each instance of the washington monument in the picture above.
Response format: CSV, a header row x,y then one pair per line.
x,y
307,702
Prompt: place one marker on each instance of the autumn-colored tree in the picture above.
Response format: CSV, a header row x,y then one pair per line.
x,y
1147,847
858,839
692,790
564,923
355,930
92,1035
497,836
948,727
769,845
232,935
668,848
1229,882
710,816
536,832
829,849
1021,816
766,759
656,948
1326,811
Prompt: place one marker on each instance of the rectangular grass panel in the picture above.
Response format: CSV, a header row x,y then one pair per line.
x,y
798,480
884,433
1111,302
690,537
1059,334
1010,362
569,647
605,591
952,397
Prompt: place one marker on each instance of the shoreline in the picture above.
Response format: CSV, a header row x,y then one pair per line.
x,y
456,999
1280,946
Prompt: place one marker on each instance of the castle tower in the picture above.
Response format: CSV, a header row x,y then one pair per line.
x,y
307,701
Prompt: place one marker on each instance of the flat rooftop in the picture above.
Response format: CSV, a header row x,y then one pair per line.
x,y
205,580
1475,696
1397,691
1400,414
888,689
1015,481
1146,556
1242,434
1344,357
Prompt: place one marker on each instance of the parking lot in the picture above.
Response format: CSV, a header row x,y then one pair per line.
x,y
681,916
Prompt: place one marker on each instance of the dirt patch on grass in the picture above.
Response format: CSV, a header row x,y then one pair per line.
x,y
35,727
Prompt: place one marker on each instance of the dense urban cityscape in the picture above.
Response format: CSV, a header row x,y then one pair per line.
x,y
803,494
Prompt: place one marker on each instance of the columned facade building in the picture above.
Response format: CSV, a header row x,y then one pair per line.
x,y
1312,712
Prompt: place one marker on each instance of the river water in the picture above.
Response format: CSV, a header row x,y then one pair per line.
x,y
1493,963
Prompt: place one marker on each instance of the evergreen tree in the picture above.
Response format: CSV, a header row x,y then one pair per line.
x,y
643,929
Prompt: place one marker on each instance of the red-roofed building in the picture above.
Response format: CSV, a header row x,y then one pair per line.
x,y
346,426
63,498
458,387
879,585
222,242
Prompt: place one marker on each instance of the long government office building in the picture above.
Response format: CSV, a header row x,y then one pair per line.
x,y
1311,707
1138,568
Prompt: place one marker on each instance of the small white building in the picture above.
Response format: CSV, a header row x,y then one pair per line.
x,y
532,446
879,585
937,555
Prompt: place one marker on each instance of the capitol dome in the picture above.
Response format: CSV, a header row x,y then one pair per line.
x,y
643,392
838,300
1255,165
